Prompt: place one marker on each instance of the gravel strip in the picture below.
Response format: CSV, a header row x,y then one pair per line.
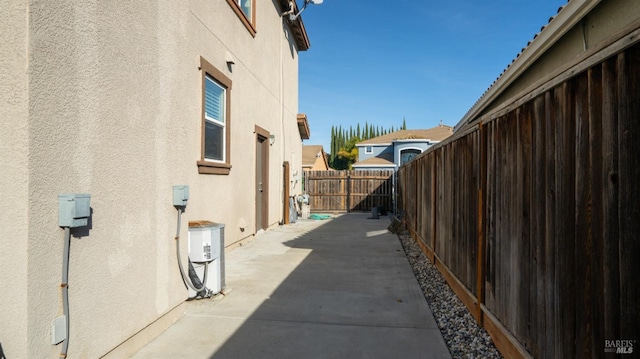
x,y
464,337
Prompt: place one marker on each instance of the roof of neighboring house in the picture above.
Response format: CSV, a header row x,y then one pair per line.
x,y
384,159
310,154
566,18
437,133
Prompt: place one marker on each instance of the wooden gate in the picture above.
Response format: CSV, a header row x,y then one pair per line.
x,y
346,191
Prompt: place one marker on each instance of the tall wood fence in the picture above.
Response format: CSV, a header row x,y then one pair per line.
x,y
533,216
346,191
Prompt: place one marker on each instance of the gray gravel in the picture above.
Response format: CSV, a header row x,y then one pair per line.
x,y
464,337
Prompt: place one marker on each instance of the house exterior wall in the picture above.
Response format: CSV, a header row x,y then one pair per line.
x,y
398,147
318,165
14,179
377,151
105,98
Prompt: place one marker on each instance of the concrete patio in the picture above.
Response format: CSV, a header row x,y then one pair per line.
x,y
337,288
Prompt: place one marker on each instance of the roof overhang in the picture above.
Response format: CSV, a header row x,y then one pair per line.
x,y
303,126
415,140
373,144
573,12
296,26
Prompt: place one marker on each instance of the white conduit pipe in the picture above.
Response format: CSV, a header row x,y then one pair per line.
x,y
186,280
65,289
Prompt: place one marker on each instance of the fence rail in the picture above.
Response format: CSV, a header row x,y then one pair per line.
x,y
346,191
533,216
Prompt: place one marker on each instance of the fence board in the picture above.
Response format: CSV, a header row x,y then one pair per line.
x,y
629,195
543,230
345,191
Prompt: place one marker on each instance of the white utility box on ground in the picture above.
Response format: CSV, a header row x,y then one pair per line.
x,y
206,246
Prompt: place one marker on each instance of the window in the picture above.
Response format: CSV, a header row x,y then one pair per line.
x,y
245,9
368,149
216,93
214,120
408,155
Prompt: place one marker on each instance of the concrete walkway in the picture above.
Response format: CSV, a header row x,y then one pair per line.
x,y
338,288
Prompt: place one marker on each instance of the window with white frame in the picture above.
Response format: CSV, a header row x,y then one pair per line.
x,y
408,155
368,149
246,6
214,118
216,121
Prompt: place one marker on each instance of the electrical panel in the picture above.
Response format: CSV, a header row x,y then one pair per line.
x,y
180,195
74,209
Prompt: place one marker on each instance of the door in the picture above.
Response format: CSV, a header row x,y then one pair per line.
x,y
262,179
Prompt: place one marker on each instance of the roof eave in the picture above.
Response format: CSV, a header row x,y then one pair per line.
x,y
303,126
297,27
572,13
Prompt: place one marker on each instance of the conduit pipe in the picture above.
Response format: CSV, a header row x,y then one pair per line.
x,y
186,279
65,290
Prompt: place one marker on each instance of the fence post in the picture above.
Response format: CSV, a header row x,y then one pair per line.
x,y
348,192
480,295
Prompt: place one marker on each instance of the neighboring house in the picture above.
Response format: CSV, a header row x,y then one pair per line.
x,y
394,149
314,158
123,100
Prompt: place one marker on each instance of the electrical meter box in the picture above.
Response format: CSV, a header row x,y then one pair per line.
x,y
180,195
74,209
204,242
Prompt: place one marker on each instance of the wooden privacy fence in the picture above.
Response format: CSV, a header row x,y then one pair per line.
x,y
533,216
345,191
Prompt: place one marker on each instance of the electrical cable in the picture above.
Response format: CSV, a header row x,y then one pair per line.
x,y
65,290
185,279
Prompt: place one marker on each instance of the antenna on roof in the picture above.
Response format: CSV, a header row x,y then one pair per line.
x,y
292,15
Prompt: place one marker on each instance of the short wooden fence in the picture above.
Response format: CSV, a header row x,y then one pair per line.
x,y
346,191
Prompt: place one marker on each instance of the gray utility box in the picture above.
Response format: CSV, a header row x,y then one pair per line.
x,y
206,245
74,209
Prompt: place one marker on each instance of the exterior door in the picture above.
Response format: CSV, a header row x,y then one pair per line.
x,y
262,179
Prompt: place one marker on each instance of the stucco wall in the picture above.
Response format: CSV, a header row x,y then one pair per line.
x,y
376,151
398,147
113,109
13,178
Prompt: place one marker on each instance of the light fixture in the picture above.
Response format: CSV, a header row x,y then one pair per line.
x,y
292,15
228,58
272,139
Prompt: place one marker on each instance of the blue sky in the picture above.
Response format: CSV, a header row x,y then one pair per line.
x,y
423,60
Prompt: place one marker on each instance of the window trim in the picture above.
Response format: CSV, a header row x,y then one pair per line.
x,y
249,23
368,150
208,166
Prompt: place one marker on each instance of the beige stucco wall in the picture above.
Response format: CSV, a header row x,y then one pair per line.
x,y
105,99
13,177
